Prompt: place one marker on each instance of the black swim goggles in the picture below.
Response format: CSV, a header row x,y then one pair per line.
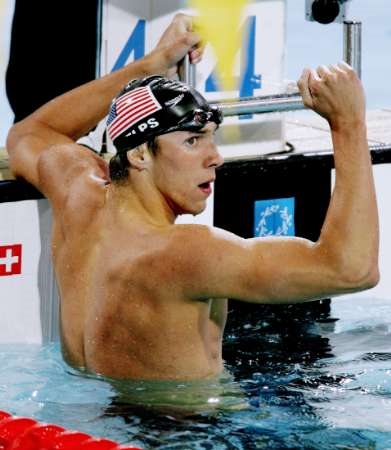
x,y
196,119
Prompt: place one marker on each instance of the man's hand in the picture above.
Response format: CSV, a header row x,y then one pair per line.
x,y
178,40
335,92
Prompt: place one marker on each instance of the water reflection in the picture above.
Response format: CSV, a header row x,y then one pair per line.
x,y
276,338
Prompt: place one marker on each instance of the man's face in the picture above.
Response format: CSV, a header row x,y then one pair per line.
x,y
184,168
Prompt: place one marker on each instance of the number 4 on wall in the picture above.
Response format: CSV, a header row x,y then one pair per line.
x,y
249,80
135,44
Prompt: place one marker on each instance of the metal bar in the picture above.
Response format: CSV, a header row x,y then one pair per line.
x,y
246,105
258,105
187,71
352,44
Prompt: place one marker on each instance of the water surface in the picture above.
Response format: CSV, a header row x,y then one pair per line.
x,y
308,379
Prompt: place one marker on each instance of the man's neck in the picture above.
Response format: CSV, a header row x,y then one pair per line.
x,y
140,200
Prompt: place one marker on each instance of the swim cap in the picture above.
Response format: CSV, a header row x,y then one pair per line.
x,y
155,105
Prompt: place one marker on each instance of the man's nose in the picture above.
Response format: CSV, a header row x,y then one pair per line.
x,y
215,159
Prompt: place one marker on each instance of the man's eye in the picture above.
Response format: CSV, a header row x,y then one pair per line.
x,y
192,141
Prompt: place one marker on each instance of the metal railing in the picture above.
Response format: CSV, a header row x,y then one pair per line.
x,y
259,105
352,44
281,102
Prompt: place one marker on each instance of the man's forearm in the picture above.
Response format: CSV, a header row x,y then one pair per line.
x,y
76,112
351,227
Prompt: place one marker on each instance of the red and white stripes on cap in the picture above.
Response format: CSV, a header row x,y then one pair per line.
x,y
130,108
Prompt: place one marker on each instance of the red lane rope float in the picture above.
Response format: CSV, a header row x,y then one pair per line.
x,y
38,436
23,433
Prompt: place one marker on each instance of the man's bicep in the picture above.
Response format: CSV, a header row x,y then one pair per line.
x,y
266,270
220,264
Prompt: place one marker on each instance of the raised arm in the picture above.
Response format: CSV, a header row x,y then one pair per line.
x,y
345,257
71,115
351,229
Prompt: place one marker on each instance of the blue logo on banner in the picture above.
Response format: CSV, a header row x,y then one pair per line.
x,y
274,217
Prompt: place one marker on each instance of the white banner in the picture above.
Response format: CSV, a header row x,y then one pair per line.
x,y
6,114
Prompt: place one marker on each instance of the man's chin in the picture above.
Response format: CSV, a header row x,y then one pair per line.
x,y
195,211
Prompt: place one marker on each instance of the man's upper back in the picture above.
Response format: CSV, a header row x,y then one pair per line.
x,y
125,312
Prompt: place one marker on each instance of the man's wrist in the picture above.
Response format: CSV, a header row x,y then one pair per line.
x,y
348,125
151,65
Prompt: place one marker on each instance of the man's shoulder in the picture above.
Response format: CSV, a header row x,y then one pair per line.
x,y
66,157
202,230
200,238
197,258
192,232
71,172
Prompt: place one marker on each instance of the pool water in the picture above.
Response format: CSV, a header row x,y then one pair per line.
x,y
302,378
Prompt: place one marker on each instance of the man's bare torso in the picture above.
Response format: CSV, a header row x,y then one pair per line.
x,y
124,313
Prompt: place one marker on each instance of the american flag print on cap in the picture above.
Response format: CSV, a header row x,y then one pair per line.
x,y
130,108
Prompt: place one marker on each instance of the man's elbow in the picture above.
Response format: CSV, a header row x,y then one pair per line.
x,y
360,278
17,149
10,146
373,277
12,141
13,135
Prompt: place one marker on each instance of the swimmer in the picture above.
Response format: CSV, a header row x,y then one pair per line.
x,y
144,298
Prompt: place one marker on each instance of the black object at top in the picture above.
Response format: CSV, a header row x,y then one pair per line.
x,y
325,11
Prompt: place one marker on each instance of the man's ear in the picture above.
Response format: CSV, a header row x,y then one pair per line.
x,y
139,157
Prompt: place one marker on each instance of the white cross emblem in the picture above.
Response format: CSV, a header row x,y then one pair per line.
x,y
8,260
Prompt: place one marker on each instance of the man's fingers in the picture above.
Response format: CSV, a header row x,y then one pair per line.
x,y
182,45
345,66
184,21
195,55
191,39
314,74
323,71
197,52
303,85
335,68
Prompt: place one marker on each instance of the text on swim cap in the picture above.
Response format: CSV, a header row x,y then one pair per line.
x,y
150,123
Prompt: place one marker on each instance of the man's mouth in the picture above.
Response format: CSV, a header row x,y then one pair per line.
x,y
206,187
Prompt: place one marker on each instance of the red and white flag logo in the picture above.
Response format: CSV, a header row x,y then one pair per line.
x,y
130,108
10,259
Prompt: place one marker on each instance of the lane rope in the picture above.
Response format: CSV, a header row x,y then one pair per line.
x,y
24,433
